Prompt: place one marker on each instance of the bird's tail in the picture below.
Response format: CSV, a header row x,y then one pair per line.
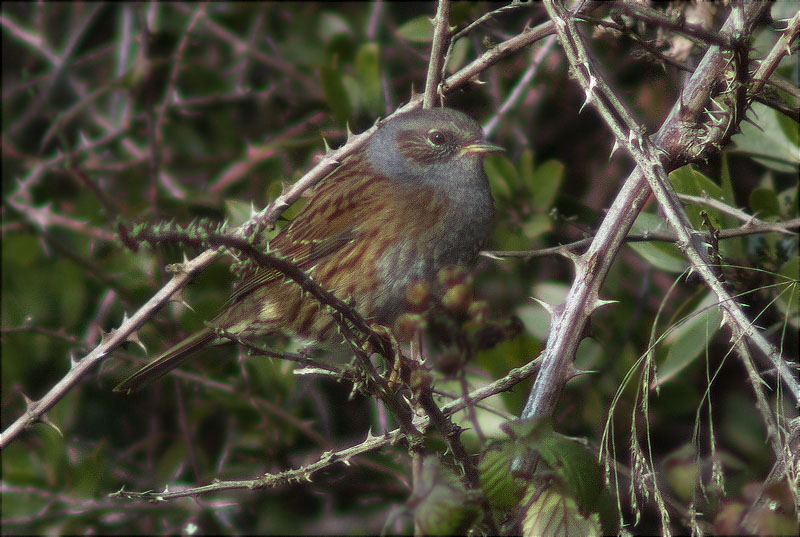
x,y
166,362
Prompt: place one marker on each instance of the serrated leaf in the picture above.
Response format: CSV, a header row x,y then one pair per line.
x,y
555,514
442,504
502,490
575,466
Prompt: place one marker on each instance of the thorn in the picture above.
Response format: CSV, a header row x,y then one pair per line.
x,y
105,336
575,258
84,141
614,149
327,147
47,421
134,338
589,92
748,120
178,298
551,310
490,255
285,186
599,303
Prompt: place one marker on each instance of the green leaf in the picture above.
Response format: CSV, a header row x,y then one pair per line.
x,y
576,466
789,127
688,180
553,513
526,173
681,471
457,55
419,30
354,94
502,176
545,183
789,296
533,315
332,25
335,93
502,490
768,142
689,340
733,247
535,225
725,179
789,202
764,203
369,78
442,504
662,255
507,355
88,473
238,212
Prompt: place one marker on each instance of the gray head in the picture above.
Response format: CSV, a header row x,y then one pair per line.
x,y
437,147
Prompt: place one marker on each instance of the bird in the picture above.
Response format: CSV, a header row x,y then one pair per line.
x,y
413,200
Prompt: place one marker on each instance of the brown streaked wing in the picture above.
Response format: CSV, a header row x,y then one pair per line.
x,y
309,238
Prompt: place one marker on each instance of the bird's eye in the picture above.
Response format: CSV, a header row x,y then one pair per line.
x,y
436,138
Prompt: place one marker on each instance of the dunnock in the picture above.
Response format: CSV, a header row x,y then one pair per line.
x,y
415,199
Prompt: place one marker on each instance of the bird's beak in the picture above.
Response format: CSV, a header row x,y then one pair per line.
x,y
480,147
